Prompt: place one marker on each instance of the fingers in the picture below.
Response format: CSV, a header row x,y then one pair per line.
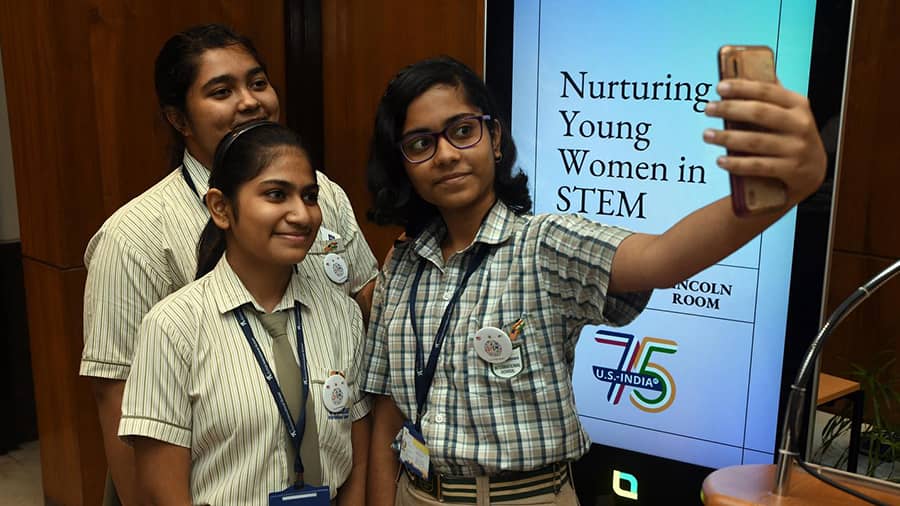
x,y
755,143
762,166
773,93
762,114
796,173
788,147
766,105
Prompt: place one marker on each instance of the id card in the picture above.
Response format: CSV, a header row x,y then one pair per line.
x,y
414,452
306,496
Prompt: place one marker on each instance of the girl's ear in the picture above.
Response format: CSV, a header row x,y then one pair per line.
x,y
177,120
219,208
496,135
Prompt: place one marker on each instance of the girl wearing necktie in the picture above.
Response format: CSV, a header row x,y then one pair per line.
x,y
243,388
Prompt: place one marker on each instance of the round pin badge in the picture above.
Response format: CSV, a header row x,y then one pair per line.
x,y
493,345
335,268
335,393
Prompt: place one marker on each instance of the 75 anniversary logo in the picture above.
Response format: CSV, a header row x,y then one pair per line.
x,y
652,388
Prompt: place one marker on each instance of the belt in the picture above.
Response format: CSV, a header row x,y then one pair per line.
x,y
507,486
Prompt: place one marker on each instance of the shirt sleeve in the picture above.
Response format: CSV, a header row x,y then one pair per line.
x,y
375,370
362,262
363,401
156,403
122,285
576,258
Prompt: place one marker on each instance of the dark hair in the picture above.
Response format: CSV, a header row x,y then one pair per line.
x,y
394,200
240,156
176,69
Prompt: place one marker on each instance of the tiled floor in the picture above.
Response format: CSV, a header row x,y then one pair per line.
x,y
20,471
20,476
887,470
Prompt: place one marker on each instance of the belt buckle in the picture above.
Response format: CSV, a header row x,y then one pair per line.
x,y
436,485
431,486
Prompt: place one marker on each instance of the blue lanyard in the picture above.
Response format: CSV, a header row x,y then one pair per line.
x,y
190,182
425,373
295,431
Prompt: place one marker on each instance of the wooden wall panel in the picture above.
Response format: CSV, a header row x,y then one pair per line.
x,y
52,126
67,420
866,233
364,44
122,73
85,118
870,175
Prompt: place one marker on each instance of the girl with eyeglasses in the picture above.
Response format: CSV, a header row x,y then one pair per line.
x,y
477,312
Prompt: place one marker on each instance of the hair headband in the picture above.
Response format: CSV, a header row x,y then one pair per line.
x,y
232,136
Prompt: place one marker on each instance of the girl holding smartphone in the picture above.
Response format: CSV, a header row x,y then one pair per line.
x,y
477,313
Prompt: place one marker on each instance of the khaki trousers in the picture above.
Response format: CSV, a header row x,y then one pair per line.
x,y
408,495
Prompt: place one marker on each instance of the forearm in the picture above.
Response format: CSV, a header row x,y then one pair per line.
x,y
163,473
701,239
119,456
353,491
364,299
383,463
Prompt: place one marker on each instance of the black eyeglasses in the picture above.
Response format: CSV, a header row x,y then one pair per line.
x,y
461,134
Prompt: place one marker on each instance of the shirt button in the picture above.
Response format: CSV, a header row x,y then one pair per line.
x,y
447,296
439,418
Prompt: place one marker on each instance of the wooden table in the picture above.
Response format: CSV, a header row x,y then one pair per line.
x,y
753,484
832,388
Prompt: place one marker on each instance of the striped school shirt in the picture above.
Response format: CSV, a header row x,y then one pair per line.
x,y
546,276
195,383
148,249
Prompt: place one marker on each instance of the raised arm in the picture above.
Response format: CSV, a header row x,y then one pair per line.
x,y
790,150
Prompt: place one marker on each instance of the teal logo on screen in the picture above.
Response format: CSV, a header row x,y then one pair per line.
x,y
625,485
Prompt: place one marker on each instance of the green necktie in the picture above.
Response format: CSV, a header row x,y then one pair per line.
x,y
291,382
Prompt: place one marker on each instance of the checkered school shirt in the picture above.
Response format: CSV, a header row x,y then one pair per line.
x,y
551,272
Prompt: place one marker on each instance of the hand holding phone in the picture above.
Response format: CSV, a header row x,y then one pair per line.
x,y
750,194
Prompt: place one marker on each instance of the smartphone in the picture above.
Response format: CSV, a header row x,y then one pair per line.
x,y
751,195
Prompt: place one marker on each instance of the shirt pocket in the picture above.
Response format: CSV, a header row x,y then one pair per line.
x,y
520,378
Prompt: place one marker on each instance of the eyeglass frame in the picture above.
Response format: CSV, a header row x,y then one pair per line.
x,y
443,133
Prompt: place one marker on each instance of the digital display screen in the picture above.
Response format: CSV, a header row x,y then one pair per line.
x,y
607,113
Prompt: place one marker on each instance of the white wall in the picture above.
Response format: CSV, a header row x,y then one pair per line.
x,y
9,216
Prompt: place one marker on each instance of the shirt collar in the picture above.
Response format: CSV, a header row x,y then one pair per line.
x,y
496,228
230,293
199,174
